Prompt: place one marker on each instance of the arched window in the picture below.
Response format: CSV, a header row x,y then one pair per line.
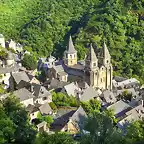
x,y
70,56
101,80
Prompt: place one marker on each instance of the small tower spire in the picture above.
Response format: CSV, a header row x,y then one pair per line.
x,y
91,55
71,48
105,52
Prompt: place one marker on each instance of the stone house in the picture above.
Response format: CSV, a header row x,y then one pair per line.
x,y
41,94
24,96
20,80
72,121
41,127
58,73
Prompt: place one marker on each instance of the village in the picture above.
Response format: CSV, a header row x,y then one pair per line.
x,y
91,78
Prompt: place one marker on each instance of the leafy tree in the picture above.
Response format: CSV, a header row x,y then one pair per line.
x,y
135,132
101,131
29,62
58,138
91,106
46,118
14,122
61,99
53,106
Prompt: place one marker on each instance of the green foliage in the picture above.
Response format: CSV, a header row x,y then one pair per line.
x,y
3,53
135,132
58,138
101,131
61,99
44,26
110,113
91,106
29,62
46,118
53,106
2,90
14,123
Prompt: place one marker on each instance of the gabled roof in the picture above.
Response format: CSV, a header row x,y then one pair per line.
x,y
78,118
23,94
109,96
88,94
119,106
55,83
19,76
39,91
7,69
45,109
91,56
71,89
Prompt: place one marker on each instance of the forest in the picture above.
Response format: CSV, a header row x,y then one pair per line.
x,y
45,25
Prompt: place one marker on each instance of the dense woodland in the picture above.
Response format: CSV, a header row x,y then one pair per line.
x,y
45,25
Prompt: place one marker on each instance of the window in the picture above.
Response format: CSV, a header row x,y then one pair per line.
x,y
44,98
101,80
71,62
70,56
94,64
107,61
96,73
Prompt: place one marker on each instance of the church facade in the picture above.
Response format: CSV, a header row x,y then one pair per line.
x,y
96,70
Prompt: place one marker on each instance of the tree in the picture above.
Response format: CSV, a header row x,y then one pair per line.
x,y
135,132
53,106
29,62
101,131
61,99
14,122
91,106
46,118
58,138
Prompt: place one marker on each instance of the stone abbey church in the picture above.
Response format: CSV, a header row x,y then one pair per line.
x,y
95,69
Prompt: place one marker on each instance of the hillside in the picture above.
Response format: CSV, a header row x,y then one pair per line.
x,y
45,26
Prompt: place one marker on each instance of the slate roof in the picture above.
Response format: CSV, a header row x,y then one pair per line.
x,y
45,109
82,85
88,94
76,116
132,115
109,96
39,91
71,48
58,68
5,70
23,94
119,106
32,108
62,73
19,76
71,89
55,83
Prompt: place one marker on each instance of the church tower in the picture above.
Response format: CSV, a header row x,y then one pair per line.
x,y
70,55
106,62
91,68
